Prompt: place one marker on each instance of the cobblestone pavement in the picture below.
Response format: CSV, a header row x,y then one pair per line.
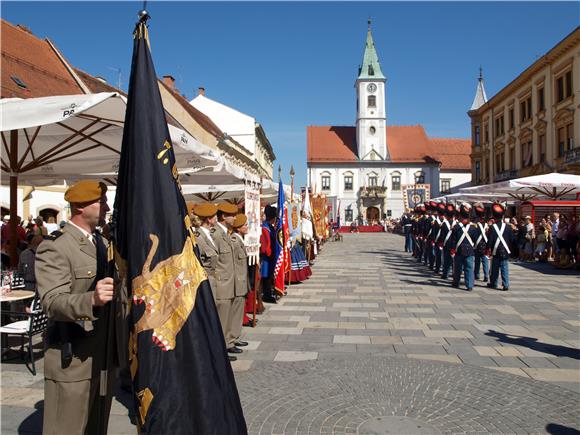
x,y
375,343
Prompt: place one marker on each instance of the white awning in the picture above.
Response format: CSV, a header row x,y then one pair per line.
x,y
79,136
553,186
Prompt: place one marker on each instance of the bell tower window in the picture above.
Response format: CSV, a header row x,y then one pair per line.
x,y
372,101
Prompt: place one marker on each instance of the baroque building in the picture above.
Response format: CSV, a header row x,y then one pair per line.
x,y
373,170
532,125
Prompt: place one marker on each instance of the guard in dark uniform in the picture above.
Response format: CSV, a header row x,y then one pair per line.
x,y
500,238
481,260
444,239
407,224
463,239
71,268
439,219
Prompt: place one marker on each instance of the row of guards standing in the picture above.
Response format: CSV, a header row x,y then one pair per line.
x,y
455,239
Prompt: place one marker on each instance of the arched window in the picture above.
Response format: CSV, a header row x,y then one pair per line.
x,y
372,101
373,179
325,181
348,181
372,130
396,181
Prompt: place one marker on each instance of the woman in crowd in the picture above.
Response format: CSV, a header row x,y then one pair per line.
x,y
541,251
529,238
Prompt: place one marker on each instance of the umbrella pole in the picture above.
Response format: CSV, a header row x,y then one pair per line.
x,y
13,252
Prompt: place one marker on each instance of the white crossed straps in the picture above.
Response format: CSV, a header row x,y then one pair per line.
x,y
465,229
446,222
481,233
439,222
500,238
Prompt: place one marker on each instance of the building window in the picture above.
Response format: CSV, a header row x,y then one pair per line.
x,y
512,119
326,182
564,86
348,215
541,100
372,130
348,182
486,133
396,182
445,185
512,155
477,171
389,213
561,141
499,127
372,101
526,154
526,109
419,177
542,148
476,134
373,180
570,130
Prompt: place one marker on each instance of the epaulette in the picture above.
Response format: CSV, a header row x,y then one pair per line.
x,y
54,235
212,230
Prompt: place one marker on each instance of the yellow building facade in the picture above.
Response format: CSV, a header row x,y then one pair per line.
x,y
531,126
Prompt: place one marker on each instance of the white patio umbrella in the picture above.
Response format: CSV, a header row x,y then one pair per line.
x,y
553,186
50,139
474,197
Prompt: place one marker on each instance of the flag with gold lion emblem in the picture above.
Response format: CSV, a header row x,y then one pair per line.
x,y
182,378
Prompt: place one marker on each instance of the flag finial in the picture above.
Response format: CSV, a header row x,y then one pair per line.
x,y
143,14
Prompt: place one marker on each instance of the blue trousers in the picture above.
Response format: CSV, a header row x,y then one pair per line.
x,y
408,242
500,265
447,261
481,260
428,257
465,265
438,258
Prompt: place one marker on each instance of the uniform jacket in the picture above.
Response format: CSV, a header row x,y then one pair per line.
x,y
508,236
267,248
209,257
224,271
242,283
66,268
482,236
465,248
443,235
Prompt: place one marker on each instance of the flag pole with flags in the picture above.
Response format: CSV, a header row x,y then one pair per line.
x,y
182,378
280,246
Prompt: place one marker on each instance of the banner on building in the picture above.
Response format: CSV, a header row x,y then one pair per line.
x,y
252,208
414,194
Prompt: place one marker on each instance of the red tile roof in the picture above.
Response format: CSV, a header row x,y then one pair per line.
x,y
452,153
406,144
34,62
95,85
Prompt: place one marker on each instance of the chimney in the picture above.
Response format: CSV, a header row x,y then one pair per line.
x,y
200,91
101,79
169,81
24,28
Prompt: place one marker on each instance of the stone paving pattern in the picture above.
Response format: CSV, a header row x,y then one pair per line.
x,y
373,334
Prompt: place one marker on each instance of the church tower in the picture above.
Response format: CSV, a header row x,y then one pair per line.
x,y
371,116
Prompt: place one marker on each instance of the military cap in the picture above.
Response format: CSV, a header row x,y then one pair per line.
x,y
240,220
228,208
85,191
207,209
441,208
479,209
270,211
497,210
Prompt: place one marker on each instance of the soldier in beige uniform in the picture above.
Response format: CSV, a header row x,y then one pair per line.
x,y
73,297
242,283
207,213
224,276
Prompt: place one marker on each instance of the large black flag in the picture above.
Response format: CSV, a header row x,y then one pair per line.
x,y
182,377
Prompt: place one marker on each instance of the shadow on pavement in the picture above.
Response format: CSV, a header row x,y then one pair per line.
x,y
534,344
545,268
558,429
33,423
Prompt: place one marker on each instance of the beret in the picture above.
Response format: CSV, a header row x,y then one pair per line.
x,y
206,209
240,220
85,191
226,207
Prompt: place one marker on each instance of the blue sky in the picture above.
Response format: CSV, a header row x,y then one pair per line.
x,y
293,64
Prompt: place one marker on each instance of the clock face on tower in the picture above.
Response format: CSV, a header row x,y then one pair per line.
x,y
371,87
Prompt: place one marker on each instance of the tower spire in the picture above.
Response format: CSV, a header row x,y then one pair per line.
x,y
480,97
371,67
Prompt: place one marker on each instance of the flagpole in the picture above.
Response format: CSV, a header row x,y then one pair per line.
x,y
257,270
292,173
